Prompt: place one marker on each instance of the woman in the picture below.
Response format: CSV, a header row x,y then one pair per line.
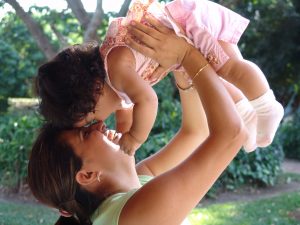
x,y
82,173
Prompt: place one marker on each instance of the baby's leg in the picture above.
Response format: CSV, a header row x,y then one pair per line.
x,y
247,114
250,79
242,73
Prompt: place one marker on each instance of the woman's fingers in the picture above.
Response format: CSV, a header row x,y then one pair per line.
x,y
145,50
146,30
158,25
167,50
146,37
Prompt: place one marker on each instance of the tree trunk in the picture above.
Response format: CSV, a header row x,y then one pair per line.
x,y
124,8
79,12
35,29
91,32
63,43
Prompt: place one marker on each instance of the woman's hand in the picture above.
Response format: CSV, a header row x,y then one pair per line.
x,y
160,43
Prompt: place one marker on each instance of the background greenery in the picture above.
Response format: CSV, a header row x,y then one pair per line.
x,y
271,41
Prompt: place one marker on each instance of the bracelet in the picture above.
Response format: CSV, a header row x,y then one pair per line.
x,y
190,87
199,71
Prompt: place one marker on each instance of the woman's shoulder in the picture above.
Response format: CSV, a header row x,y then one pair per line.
x,y
109,211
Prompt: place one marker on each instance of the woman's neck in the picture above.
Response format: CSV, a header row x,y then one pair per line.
x,y
127,179
121,179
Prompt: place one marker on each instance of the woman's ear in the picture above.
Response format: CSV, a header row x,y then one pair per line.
x,y
84,177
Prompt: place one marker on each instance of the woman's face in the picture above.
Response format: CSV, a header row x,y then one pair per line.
x,y
94,146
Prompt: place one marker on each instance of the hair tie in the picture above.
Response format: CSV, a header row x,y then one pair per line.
x,y
64,213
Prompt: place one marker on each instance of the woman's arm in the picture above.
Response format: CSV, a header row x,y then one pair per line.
x,y
121,68
168,198
192,133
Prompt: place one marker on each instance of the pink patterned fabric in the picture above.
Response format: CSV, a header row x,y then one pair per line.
x,y
204,23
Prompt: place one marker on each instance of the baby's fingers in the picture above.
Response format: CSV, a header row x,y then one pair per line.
x,y
113,136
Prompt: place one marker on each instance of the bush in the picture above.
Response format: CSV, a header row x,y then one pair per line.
x,y
17,133
259,168
290,138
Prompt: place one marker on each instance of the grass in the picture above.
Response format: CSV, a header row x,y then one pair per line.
x,y
272,211
26,214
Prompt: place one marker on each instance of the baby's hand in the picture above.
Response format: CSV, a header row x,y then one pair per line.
x,y
129,144
113,136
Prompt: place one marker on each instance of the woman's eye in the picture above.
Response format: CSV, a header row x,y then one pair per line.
x,y
94,121
85,133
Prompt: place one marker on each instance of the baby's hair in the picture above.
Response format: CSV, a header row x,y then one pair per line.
x,y
70,84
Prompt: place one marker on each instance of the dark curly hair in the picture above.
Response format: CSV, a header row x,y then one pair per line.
x,y
69,84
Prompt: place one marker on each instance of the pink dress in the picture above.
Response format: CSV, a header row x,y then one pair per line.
x,y
204,23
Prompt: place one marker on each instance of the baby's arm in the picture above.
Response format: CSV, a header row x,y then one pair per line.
x,y
123,120
121,69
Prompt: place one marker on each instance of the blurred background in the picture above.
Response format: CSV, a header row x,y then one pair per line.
x,y
259,188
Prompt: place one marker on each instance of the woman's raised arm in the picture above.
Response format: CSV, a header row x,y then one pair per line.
x,y
168,198
191,134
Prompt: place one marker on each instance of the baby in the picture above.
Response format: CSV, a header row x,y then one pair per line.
x,y
75,89
215,31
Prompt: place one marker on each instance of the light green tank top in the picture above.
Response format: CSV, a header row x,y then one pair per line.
x,y
109,211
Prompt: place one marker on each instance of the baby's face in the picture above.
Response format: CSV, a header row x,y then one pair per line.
x,y
101,112
107,103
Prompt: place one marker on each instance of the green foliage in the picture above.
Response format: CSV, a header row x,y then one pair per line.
x,y
17,132
63,22
260,167
19,58
290,138
272,42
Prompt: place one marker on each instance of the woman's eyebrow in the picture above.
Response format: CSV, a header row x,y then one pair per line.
x,y
94,121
